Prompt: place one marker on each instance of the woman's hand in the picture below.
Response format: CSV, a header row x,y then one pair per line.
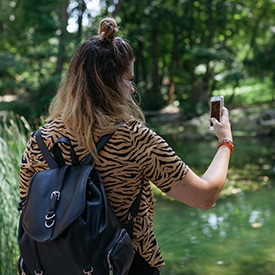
x,y
222,128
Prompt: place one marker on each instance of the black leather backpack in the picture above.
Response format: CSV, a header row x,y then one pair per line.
x,y
66,225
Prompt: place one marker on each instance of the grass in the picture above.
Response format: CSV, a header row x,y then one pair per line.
x,y
12,143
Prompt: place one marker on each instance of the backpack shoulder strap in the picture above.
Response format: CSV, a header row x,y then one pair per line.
x,y
133,211
50,160
57,153
99,146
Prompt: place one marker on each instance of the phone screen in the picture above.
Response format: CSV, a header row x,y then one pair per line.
x,y
215,110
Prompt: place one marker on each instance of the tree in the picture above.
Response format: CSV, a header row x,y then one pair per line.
x,y
37,37
184,49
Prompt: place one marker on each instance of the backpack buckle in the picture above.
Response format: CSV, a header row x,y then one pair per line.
x,y
56,194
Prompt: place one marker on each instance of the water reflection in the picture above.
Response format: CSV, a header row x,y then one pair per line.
x,y
256,219
237,231
236,236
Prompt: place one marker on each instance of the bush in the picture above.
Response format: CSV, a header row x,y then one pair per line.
x,y
12,144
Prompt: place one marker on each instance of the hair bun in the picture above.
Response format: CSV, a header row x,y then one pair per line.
x,y
107,29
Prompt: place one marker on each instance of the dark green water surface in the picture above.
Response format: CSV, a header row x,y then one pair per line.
x,y
237,235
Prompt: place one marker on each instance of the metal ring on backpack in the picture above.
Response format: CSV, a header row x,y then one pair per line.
x,y
88,272
49,220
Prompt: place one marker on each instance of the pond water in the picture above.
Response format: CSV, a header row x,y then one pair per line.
x,y
236,236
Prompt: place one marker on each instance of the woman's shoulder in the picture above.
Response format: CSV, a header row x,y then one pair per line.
x,y
136,126
55,129
137,134
134,123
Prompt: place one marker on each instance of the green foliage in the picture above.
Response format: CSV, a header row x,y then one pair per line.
x,y
184,49
250,92
12,144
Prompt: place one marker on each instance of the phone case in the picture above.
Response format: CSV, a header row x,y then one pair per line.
x,y
216,105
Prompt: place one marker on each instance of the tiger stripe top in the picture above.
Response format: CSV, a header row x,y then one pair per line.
x,y
134,154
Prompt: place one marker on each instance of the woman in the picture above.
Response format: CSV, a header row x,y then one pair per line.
x,y
91,101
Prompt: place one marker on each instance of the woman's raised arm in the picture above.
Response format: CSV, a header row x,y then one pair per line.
x,y
202,192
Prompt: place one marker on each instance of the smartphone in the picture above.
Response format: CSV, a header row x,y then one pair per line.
x,y
216,105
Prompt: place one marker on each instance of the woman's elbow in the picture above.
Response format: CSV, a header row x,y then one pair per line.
x,y
208,205
209,202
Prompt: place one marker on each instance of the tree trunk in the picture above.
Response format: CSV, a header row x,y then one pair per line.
x,y
63,18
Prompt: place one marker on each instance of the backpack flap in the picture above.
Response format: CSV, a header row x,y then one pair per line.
x,y
51,207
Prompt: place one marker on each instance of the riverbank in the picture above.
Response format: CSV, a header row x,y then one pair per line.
x,y
258,120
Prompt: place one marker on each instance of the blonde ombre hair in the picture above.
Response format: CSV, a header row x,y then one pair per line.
x,y
93,97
